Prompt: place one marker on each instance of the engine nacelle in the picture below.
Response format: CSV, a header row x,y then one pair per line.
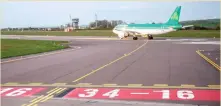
x,y
122,35
126,34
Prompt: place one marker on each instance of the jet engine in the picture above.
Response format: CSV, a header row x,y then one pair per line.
x,y
123,35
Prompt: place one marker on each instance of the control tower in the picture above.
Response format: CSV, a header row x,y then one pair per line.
x,y
75,22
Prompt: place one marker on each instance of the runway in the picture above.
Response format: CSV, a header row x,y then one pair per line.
x,y
114,63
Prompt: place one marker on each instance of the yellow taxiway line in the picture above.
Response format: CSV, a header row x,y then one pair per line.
x,y
50,94
89,85
125,55
209,60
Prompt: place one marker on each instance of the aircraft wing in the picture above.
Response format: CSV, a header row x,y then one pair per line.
x,y
186,26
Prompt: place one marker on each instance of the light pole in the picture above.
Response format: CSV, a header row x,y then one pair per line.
x,y
96,19
107,21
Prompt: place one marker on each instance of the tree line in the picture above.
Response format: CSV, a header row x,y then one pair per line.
x,y
104,24
195,27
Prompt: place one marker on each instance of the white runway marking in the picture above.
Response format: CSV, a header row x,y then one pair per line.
x,y
208,42
186,40
140,93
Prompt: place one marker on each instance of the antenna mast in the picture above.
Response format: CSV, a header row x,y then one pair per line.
x,y
96,19
71,21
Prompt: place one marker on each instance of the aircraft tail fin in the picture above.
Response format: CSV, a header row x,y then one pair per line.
x,y
174,19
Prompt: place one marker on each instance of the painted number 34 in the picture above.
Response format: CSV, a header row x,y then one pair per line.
x,y
93,92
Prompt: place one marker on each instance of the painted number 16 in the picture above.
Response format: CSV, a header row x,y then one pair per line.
x,y
181,94
16,92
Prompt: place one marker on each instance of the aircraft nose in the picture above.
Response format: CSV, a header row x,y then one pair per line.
x,y
114,31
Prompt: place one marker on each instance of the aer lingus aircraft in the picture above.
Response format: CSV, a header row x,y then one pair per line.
x,y
150,30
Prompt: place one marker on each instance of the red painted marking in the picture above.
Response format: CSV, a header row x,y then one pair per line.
x,y
19,91
145,94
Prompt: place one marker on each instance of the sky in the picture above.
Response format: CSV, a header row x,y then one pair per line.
x,y
56,13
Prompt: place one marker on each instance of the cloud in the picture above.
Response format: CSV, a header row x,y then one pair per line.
x,y
124,7
135,7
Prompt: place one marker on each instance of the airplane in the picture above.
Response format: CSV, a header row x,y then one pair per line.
x,y
150,30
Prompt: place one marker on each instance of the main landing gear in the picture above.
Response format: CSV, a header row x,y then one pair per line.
x,y
150,37
135,38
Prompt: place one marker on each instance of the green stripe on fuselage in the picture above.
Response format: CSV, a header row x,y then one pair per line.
x,y
149,26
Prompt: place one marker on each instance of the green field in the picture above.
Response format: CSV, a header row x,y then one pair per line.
x,y
13,47
181,33
61,33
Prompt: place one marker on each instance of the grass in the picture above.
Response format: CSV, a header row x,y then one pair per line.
x,y
14,47
61,33
182,33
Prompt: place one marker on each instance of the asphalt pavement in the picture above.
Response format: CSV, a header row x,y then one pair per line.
x,y
112,62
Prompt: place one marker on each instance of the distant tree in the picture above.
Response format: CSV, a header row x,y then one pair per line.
x,y
103,24
29,28
217,27
92,24
200,28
